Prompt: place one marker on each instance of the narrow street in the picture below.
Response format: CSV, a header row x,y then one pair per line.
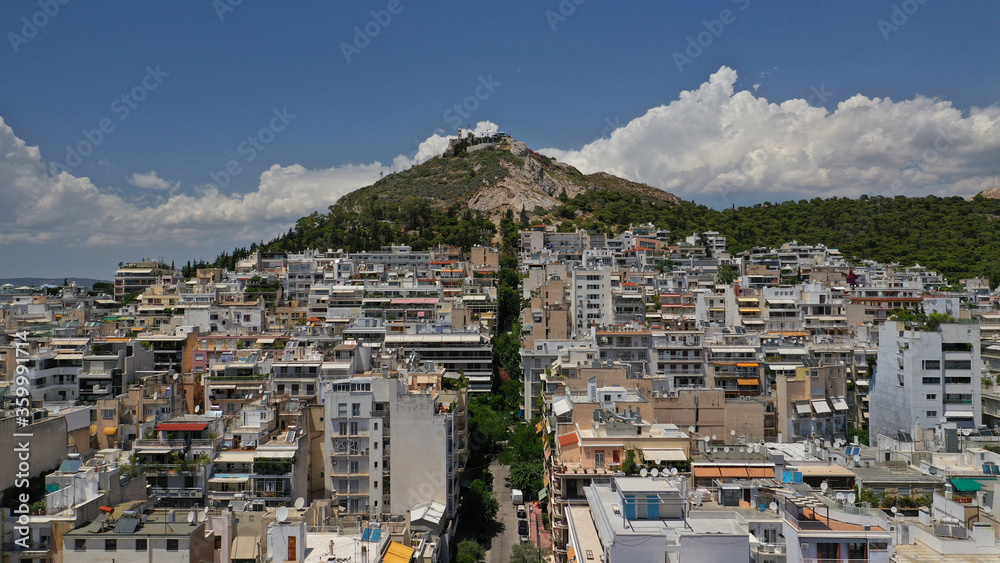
x,y
504,530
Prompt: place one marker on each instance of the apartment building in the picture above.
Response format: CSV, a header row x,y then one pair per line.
x,y
925,378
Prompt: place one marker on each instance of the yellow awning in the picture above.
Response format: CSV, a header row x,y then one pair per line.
x,y
749,309
111,431
570,554
746,381
747,365
398,553
538,428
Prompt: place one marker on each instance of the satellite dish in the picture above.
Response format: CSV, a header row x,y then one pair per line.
x,y
175,377
197,408
673,471
742,450
894,510
190,517
282,513
260,389
714,438
857,458
299,503
690,428
707,439
643,472
654,472
726,449
823,486
715,450
841,497
851,497
204,514
155,395
92,475
967,432
732,432
756,448
773,506
986,509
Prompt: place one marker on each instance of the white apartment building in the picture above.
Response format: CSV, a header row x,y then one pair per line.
x,y
361,415
590,298
925,378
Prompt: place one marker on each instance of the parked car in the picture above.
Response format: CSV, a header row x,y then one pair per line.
x,y
522,527
522,512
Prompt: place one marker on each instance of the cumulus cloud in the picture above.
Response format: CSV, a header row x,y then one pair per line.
x,y
45,206
152,181
717,145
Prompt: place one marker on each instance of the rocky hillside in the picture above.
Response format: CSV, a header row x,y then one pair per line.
x,y
493,180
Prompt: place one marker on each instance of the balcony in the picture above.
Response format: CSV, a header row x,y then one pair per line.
x,y
177,492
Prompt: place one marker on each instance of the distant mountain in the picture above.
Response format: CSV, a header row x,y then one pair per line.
x,y
501,176
458,198
38,282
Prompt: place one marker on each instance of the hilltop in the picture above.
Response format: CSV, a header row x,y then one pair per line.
x,y
494,178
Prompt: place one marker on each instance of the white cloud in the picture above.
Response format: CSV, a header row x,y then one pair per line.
x,y
45,207
717,145
152,181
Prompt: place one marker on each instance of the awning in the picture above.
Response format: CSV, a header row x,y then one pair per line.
x,y
821,406
966,485
561,406
660,455
839,404
733,472
753,322
793,352
222,387
265,341
156,449
749,309
802,408
761,472
706,472
958,414
795,333
747,365
229,479
181,427
397,553
747,381
568,439
779,367
111,431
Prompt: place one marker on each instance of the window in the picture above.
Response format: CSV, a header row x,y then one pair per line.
x,y
110,545
899,376
142,545
356,409
108,414
828,550
932,381
171,545
956,347
599,459
218,543
932,364
857,550
342,410
958,364
80,545
958,380
931,414
932,396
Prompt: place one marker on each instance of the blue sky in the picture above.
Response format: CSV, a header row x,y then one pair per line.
x,y
780,100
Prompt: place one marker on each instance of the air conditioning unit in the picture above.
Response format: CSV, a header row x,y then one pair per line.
x,y
804,546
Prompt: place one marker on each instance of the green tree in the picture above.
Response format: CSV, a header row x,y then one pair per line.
x,y
521,553
480,503
527,476
629,466
470,552
726,274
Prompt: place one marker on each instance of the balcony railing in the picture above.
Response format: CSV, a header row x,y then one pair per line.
x,y
171,492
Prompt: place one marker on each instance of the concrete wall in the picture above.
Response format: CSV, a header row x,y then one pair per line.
x,y
47,447
419,454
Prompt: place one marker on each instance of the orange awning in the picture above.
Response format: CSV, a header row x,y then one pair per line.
x,y
700,472
568,439
764,472
747,365
735,472
747,381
